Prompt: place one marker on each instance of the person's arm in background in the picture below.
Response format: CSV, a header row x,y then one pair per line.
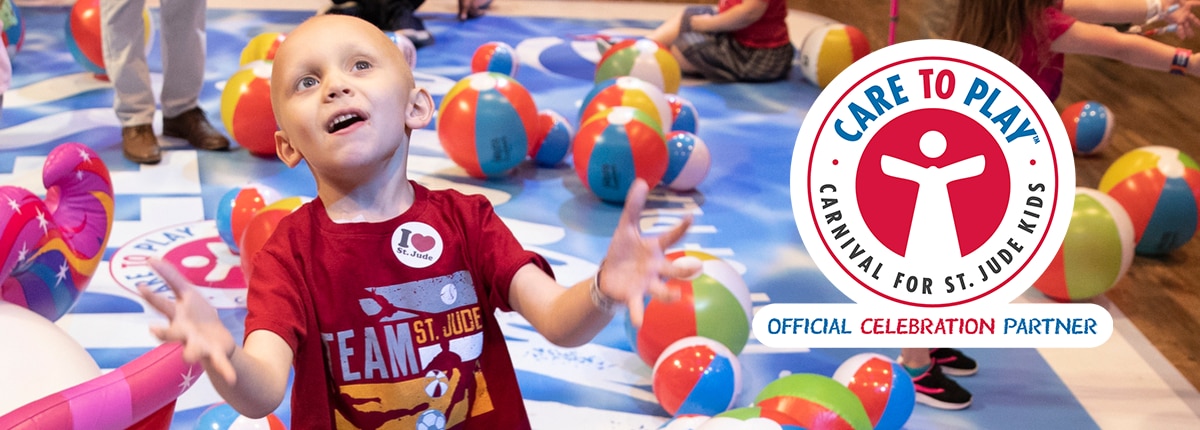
x,y
1177,12
1135,50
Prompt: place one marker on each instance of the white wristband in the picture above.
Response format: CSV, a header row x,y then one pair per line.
x,y
602,302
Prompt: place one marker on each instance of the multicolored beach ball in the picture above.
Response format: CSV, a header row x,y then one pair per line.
x,y
684,116
1096,252
83,35
496,57
1089,125
555,139
12,31
644,59
246,109
697,375
486,123
627,91
829,49
688,161
884,387
812,401
262,225
715,304
237,207
615,147
223,417
1159,187
261,48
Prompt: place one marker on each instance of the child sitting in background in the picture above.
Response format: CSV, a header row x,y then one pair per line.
x,y
1035,34
381,287
738,41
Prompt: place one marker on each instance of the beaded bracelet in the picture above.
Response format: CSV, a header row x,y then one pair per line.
x,y
602,302
1179,62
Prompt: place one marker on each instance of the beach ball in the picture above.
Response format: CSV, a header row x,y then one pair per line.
x,y
1089,125
829,49
627,91
261,226
39,357
221,416
696,375
644,59
614,148
237,207
715,304
1096,252
486,123
1159,187
884,387
556,134
684,116
684,422
748,418
261,48
688,161
496,57
83,35
812,401
246,109
12,29
407,49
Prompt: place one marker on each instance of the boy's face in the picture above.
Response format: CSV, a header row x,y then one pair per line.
x,y
343,96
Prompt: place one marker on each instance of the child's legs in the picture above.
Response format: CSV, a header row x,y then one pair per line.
x,y
685,66
668,31
914,357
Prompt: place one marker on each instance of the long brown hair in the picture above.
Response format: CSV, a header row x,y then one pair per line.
x,y
1000,25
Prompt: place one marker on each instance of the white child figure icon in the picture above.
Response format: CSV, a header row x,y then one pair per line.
x,y
932,236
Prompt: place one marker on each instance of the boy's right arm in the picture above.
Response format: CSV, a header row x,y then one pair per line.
x,y
252,378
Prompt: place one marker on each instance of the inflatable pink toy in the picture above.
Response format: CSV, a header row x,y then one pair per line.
x,y
49,248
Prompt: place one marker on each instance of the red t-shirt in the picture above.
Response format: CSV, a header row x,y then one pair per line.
x,y
770,31
1048,75
403,310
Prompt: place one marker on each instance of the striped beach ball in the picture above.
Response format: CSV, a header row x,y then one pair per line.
x,y
223,417
1096,252
496,57
1089,125
684,116
1159,187
261,48
246,109
262,225
812,401
627,91
748,418
83,35
645,59
237,207
615,147
884,387
12,31
486,123
715,304
554,143
696,375
688,161
829,49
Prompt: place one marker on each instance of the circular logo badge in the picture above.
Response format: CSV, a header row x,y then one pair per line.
x,y
416,244
932,180
196,250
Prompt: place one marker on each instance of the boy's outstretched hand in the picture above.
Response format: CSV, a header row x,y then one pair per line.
x,y
637,265
194,322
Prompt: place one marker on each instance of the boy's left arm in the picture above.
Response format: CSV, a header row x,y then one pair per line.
x,y
732,19
1178,12
635,266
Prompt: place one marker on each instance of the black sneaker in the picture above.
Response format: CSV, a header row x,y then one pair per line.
x,y
403,19
936,390
953,362
367,10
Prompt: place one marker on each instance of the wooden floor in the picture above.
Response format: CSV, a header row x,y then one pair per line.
x,y
1160,295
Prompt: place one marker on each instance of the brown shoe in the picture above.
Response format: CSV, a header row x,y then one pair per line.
x,y
194,127
140,145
